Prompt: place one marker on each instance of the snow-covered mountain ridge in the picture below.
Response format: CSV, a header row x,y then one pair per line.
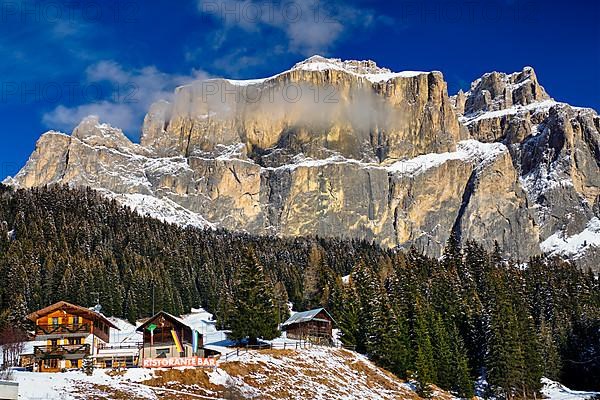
x,y
393,159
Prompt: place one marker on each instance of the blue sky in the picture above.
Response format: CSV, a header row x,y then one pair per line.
x,y
62,60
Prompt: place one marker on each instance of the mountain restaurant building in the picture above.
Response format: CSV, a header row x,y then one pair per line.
x,y
70,332
313,325
169,337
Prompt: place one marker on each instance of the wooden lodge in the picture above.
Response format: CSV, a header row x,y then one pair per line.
x,y
166,336
70,332
314,325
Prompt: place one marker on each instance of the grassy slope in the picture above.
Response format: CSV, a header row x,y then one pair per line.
x,y
315,374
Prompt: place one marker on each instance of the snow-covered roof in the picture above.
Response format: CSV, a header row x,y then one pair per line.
x,y
200,320
126,335
304,316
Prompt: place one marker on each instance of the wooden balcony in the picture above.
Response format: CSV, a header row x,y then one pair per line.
x,y
61,350
119,346
62,329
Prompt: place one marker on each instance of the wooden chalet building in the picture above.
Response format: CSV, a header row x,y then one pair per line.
x,y
71,333
166,336
314,325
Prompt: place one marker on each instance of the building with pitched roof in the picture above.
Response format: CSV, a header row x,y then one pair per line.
x,y
167,336
68,333
313,325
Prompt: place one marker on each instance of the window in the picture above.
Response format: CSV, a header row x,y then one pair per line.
x,y
55,321
51,363
162,353
76,320
75,340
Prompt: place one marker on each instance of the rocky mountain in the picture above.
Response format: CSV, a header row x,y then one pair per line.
x,y
349,149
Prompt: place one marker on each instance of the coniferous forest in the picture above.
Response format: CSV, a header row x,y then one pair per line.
x,y
447,322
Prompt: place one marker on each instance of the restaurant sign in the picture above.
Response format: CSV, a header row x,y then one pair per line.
x,y
179,362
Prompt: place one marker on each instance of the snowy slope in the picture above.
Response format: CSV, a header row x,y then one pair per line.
x,y
316,374
163,209
573,246
555,391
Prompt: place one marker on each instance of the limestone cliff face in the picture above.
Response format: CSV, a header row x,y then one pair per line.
x,y
555,149
348,149
319,107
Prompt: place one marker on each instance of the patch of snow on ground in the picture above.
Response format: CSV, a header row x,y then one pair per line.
x,y
64,386
246,82
342,380
166,166
422,163
555,391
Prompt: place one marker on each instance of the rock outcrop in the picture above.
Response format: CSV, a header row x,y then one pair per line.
x,y
555,150
348,149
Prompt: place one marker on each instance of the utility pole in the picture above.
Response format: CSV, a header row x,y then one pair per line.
x,y
152,297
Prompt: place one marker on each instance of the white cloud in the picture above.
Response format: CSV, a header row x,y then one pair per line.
x,y
132,93
309,26
66,118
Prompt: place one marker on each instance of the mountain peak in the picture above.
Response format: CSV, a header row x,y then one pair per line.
x,y
320,63
367,69
95,133
496,91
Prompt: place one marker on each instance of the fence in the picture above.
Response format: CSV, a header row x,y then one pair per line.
x,y
280,346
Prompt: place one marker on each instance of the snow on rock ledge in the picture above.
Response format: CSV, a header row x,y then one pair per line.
x,y
574,246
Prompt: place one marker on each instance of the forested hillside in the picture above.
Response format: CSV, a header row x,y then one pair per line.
x,y
440,321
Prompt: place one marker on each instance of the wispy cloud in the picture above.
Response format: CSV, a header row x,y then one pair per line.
x,y
303,27
130,94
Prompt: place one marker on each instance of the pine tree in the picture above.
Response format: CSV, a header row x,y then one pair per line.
x,y
425,372
504,359
255,314
280,297
550,352
349,320
532,361
396,345
462,383
442,353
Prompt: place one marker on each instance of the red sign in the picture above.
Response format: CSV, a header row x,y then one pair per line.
x,y
179,362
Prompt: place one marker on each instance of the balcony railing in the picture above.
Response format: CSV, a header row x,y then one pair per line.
x,y
61,350
119,346
62,329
